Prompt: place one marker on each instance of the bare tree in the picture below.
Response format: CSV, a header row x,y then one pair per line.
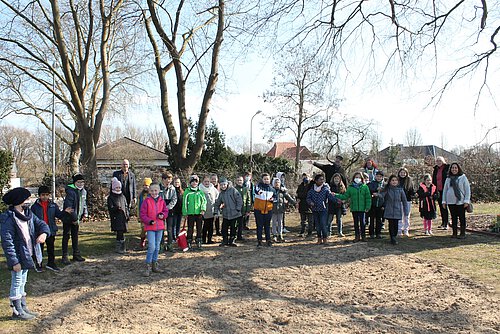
x,y
413,138
190,35
300,95
79,52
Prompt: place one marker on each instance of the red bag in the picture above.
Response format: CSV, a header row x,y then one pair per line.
x,y
182,240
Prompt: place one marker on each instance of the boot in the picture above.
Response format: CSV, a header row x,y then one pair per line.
x,y
78,258
455,232
393,240
363,238
65,260
25,307
18,312
119,249
259,243
169,247
124,246
320,241
356,238
147,272
190,244
325,241
269,243
156,268
198,243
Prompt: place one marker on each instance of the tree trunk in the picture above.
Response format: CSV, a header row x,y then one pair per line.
x,y
74,158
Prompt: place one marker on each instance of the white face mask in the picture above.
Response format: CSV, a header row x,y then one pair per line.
x,y
79,187
357,180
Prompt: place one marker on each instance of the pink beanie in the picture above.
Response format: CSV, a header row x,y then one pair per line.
x,y
116,185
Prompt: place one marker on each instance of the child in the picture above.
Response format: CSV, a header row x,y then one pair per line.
x,y
281,177
21,231
304,208
278,211
317,198
427,195
118,214
142,196
75,205
230,202
153,214
394,205
246,207
376,212
169,195
406,182
361,201
45,209
177,210
336,208
264,197
211,195
194,205
214,179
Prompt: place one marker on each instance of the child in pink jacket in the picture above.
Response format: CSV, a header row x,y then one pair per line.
x,y
153,214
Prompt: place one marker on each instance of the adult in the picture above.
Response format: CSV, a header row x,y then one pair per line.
x,y
439,175
456,196
370,168
127,179
331,169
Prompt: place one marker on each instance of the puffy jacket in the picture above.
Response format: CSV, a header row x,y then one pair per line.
x,y
169,195
211,194
77,200
279,203
150,209
118,212
394,202
193,202
360,197
449,195
319,200
53,212
246,197
232,201
264,195
13,244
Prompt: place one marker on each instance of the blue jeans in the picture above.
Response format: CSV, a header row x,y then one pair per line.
x,y
359,223
263,222
154,239
338,215
321,220
176,225
17,284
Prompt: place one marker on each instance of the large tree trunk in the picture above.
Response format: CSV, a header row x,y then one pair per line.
x,y
74,158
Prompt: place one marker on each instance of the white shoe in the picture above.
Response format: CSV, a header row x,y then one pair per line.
x,y
406,233
285,231
426,232
430,232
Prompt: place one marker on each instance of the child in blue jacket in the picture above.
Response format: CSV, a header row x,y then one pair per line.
x,y
21,232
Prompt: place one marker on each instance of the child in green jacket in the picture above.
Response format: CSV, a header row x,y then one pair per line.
x,y
360,202
194,205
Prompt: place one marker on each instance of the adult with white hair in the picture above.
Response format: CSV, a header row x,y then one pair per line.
x,y
439,175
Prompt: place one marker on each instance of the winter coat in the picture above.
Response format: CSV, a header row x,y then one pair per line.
x,y
410,190
211,194
77,200
169,195
193,202
302,190
427,201
118,212
279,202
449,195
53,212
150,209
371,173
140,199
394,202
374,187
444,175
232,201
129,185
13,244
264,196
318,201
246,197
359,197
177,209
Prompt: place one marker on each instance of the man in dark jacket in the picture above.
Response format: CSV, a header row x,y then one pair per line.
x,y
332,169
75,205
127,179
439,175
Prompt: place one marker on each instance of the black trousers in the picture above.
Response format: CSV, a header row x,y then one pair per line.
x,y
217,225
208,229
70,230
192,220
229,224
239,224
457,213
443,211
376,215
393,227
50,241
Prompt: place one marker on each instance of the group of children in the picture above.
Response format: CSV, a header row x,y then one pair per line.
x,y
162,207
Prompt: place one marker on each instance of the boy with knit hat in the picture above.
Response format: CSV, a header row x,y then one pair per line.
x,y
142,196
75,205
45,209
194,205
21,233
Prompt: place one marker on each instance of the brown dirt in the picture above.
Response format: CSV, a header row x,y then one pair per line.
x,y
296,287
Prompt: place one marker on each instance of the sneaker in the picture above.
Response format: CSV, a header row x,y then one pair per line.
x,y
233,245
259,244
301,235
65,260
430,232
38,269
285,231
52,267
78,258
269,243
426,232
341,235
407,234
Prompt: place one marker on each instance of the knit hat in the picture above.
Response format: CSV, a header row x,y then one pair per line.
x,y
115,183
147,181
193,178
16,196
222,180
43,190
77,177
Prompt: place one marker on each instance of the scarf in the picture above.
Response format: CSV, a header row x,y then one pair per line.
x,y
22,221
454,185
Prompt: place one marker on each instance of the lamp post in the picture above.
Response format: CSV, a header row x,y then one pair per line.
x,y
251,144
53,133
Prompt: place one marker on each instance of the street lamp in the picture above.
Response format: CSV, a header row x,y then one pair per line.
x,y
53,133
251,145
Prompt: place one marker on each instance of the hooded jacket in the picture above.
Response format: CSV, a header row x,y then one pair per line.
x,y
279,202
77,200
193,202
318,200
211,194
150,209
359,196
53,212
246,197
169,195
118,212
232,201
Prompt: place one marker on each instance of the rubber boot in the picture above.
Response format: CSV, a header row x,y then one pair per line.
x,y
147,272
17,311
156,268
25,307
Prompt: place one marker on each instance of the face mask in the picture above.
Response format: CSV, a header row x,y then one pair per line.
x,y
357,180
79,187
305,180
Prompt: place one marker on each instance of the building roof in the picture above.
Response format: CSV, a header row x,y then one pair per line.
x,y
420,151
287,150
126,148
278,149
